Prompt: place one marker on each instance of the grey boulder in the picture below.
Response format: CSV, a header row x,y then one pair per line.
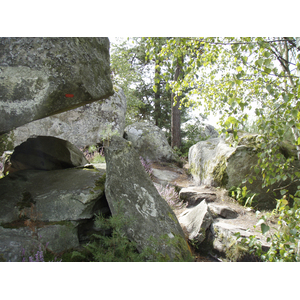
x,y
223,211
85,125
48,207
193,195
196,221
40,77
59,195
131,193
150,142
219,163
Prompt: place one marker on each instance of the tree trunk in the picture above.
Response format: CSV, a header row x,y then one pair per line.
x,y
157,107
175,114
296,136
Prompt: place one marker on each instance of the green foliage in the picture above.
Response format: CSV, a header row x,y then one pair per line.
x,y
285,241
6,142
236,251
192,133
98,159
94,154
107,133
242,195
239,75
115,247
112,244
136,72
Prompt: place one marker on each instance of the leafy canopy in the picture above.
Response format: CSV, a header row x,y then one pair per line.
x,y
240,78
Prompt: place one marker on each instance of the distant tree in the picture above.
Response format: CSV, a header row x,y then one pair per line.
x,y
137,74
175,111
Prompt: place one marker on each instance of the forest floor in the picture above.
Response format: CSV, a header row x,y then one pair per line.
x,y
247,217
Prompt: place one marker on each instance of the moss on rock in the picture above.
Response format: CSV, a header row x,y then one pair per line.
x,y
220,176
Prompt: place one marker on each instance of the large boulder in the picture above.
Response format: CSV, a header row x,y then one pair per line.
x,y
40,77
193,195
131,193
196,221
46,153
150,142
85,125
40,207
222,238
217,162
60,195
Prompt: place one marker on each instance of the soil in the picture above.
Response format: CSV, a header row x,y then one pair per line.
x,y
247,217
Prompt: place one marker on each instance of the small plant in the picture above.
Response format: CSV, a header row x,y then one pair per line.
x,y
107,133
167,192
242,195
147,166
38,255
93,154
114,247
285,241
170,195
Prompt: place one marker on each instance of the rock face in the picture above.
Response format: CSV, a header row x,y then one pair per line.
x,y
39,207
82,126
40,77
206,158
215,163
150,142
196,221
193,195
209,131
222,211
130,192
222,236
164,176
46,153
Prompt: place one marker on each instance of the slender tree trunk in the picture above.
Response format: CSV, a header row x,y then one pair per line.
x,y
175,114
157,107
295,130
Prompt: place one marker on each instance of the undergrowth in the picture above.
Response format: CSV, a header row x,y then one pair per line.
x,y
117,247
94,154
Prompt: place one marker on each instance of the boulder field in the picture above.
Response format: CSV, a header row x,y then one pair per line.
x,y
57,205
51,204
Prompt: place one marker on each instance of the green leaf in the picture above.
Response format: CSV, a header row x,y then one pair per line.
x,y
259,62
231,120
232,102
155,89
267,54
267,70
264,228
269,87
244,58
285,97
283,192
239,68
295,113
